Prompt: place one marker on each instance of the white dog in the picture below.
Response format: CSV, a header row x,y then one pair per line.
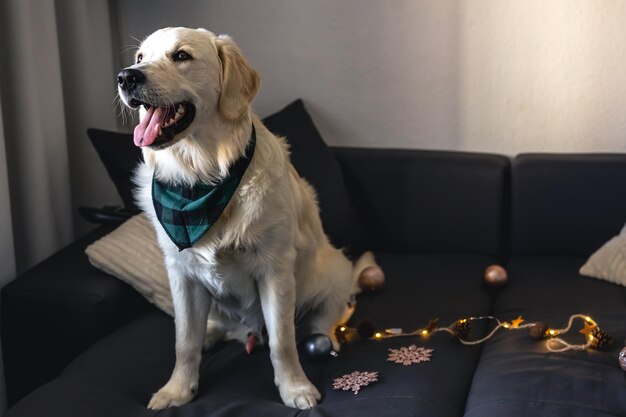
x,y
243,242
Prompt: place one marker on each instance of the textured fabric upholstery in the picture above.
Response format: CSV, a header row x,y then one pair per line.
x,y
567,204
517,376
429,201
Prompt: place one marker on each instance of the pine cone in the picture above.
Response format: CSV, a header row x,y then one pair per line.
x,y
462,328
538,331
601,339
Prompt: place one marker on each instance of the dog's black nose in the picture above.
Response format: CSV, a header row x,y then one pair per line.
x,y
128,79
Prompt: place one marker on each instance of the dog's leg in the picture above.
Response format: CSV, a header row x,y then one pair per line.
x,y
191,309
278,298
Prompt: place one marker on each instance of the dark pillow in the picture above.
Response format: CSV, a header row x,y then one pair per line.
x,y
120,156
315,162
309,154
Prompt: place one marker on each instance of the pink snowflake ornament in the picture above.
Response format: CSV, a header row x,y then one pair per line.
x,y
410,355
355,381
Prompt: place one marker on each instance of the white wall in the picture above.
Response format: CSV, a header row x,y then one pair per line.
x,y
483,75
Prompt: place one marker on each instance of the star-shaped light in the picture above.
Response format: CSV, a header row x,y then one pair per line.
x,y
587,329
515,323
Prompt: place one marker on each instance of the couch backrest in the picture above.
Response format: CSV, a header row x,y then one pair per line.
x,y
566,205
429,201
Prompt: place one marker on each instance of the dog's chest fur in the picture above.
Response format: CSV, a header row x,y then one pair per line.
x,y
230,277
230,257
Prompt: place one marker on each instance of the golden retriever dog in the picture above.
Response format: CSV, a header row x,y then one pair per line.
x,y
264,259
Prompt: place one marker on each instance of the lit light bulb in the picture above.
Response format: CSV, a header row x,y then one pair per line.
x,y
424,332
378,335
342,329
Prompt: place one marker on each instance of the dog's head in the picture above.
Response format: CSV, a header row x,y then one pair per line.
x,y
184,80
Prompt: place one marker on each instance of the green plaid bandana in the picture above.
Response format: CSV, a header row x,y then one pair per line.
x,y
187,213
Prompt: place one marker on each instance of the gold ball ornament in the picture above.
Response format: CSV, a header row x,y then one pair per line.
x,y
372,278
496,275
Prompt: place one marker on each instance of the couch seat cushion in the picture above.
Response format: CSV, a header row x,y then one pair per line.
x,y
419,287
117,375
517,376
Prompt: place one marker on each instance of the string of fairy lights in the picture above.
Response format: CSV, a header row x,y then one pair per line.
x,y
594,336
496,276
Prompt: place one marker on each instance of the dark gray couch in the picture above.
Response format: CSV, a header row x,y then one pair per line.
x,y
86,345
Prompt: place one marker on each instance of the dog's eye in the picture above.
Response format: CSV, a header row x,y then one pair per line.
x,y
181,56
139,58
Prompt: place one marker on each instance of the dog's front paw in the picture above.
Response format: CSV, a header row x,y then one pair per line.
x,y
302,396
171,395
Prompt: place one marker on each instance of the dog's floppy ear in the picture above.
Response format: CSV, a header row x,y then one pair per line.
x,y
240,81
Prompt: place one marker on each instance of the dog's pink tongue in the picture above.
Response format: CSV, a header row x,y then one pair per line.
x,y
147,130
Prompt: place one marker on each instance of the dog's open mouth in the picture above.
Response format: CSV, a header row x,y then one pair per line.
x,y
160,125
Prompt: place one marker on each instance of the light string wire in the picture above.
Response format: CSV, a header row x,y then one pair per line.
x,y
554,344
561,345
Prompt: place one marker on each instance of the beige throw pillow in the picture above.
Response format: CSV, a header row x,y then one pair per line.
x,y
132,254
608,262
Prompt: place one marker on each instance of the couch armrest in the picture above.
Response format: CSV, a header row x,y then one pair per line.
x,y
55,310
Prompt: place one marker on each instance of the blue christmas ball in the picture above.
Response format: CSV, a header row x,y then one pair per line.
x,y
318,346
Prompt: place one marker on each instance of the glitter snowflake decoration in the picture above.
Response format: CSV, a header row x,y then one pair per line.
x,y
355,381
410,355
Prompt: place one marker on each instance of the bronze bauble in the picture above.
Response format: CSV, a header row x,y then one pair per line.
x,y
496,275
372,278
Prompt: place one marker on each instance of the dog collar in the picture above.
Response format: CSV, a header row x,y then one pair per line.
x,y
187,213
